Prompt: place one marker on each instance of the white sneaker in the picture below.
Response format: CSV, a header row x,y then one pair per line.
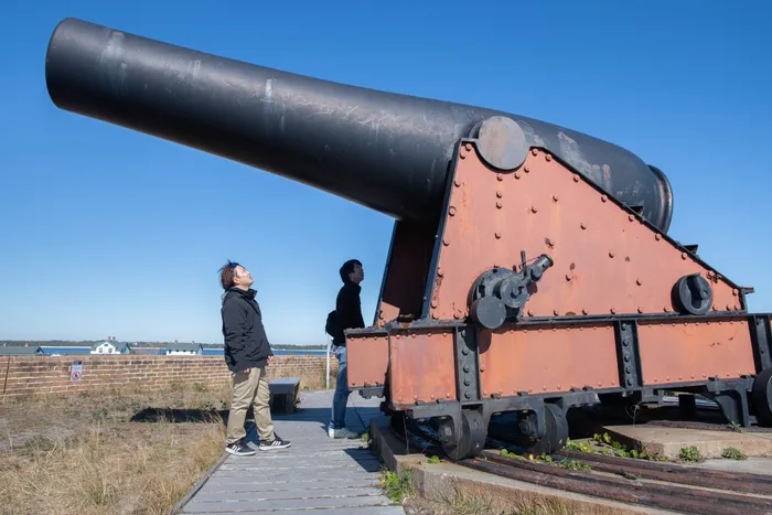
x,y
342,433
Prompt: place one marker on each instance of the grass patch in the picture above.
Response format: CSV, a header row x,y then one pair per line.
x,y
690,454
732,453
604,444
397,487
82,454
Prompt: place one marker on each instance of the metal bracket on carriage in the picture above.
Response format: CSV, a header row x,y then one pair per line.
x,y
499,294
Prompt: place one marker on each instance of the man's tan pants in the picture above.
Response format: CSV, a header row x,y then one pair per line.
x,y
250,389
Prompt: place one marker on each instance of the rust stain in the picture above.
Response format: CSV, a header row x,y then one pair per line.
x,y
579,233
707,349
554,360
423,368
367,360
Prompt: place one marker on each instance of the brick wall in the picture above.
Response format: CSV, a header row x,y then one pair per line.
x,y
34,375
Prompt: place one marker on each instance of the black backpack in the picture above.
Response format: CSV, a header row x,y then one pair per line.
x,y
331,326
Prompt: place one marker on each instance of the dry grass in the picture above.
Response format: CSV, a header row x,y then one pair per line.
x,y
84,454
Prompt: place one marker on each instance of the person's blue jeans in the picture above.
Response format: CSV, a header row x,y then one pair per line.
x,y
340,397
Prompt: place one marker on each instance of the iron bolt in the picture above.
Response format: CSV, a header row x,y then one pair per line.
x,y
445,242
683,255
435,304
439,272
576,177
499,177
527,169
611,254
555,312
533,209
534,152
467,382
497,235
548,157
517,176
613,311
638,282
465,351
467,395
626,356
457,184
467,146
603,198
498,205
555,198
628,369
569,277
452,210
631,218
499,194
629,382
462,155
466,368
583,226
657,237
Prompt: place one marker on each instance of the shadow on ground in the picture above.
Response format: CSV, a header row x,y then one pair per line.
x,y
175,415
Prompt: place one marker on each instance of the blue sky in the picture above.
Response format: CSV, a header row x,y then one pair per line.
x,y
106,231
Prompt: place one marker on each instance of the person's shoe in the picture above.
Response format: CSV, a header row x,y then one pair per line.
x,y
342,433
239,449
276,444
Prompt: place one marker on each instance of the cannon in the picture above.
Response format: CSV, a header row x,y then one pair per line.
x,y
530,268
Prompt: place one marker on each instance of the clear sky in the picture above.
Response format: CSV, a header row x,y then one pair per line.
x,y
106,231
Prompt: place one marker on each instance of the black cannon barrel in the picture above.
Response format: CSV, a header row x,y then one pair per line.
x,y
387,151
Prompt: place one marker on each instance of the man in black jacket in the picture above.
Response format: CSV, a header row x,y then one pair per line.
x,y
247,353
349,316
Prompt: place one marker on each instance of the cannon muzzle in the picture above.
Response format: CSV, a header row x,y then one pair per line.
x,y
386,151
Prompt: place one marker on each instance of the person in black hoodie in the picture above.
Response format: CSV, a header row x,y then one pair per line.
x,y
349,316
247,354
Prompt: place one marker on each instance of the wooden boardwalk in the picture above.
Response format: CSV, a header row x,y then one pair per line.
x,y
315,475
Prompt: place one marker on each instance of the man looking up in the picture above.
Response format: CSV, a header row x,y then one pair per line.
x,y
247,354
349,316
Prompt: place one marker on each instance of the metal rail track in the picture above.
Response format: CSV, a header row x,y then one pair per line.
x,y
657,485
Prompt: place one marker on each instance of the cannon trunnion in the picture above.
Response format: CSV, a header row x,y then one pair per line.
x,y
529,270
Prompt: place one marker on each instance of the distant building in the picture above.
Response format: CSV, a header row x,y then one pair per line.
x,y
64,350
147,351
106,347
213,351
20,350
187,349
